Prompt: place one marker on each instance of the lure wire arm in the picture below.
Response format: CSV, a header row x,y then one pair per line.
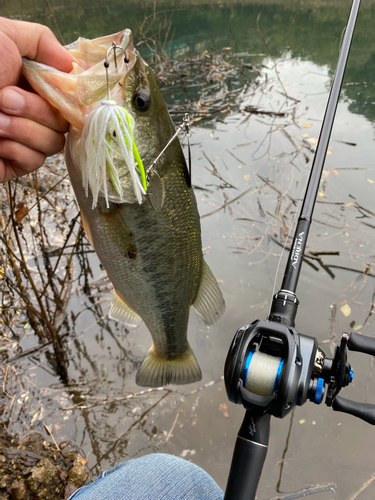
x,y
184,125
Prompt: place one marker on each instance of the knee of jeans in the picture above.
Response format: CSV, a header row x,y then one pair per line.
x,y
156,470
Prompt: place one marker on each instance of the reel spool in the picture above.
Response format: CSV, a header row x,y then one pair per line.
x,y
262,373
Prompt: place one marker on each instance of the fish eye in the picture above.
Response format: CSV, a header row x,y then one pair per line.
x,y
142,101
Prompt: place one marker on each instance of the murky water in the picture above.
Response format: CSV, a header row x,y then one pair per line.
x,y
260,156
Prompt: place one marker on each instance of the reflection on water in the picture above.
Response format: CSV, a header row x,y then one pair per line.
x,y
249,171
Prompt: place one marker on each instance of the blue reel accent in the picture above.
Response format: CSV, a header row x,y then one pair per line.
x,y
278,374
247,364
351,375
319,392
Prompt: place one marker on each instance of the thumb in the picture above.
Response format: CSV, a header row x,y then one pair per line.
x,y
37,42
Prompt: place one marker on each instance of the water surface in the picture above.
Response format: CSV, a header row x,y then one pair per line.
x,y
297,50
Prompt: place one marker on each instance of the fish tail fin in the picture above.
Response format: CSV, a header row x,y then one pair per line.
x,y
157,372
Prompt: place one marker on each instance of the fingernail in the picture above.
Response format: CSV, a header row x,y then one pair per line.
x,y
12,100
4,120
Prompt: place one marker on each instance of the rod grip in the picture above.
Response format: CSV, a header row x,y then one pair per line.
x,y
248,457
364,411
361,343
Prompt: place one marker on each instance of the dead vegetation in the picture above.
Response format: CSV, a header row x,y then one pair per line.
x,y
40,234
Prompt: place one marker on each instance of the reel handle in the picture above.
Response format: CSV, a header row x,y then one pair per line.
x,y
248,457
363,411
353,342
360,343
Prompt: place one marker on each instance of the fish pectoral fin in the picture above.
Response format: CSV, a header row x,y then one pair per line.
x,y
120,311
156,371
209,302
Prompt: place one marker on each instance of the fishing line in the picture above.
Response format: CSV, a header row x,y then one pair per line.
x,y
297,211
305,188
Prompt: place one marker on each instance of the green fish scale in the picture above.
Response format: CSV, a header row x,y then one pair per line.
x,y
154,259
169,246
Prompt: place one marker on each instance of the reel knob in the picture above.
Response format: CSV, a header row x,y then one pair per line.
x,y
317,390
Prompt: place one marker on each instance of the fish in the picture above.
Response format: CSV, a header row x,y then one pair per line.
x,y
149,241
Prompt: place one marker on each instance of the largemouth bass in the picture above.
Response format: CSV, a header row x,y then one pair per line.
x,y
149,243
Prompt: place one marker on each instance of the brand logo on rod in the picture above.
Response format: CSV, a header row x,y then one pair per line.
x,y
297,247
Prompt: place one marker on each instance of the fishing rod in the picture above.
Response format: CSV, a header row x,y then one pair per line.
x,y
270,368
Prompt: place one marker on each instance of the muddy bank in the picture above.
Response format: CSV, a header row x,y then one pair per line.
x,y
38,469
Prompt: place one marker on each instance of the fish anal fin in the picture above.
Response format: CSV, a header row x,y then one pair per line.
x,y
209,302
120,311
157,371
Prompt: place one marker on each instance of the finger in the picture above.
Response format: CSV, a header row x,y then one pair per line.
x,y
31,134
19,102
37,42
17,160
11,61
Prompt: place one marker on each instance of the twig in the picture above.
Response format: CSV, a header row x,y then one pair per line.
x,y
272,186
29,351
269,50
173,426
60,255
60,357
66,273
5,376
50,433
314,490
114,399
215,172
227,203
363,487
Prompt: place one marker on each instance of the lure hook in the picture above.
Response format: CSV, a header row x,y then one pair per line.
x,y
113,48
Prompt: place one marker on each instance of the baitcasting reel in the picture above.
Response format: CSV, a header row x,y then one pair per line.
x,y
270,368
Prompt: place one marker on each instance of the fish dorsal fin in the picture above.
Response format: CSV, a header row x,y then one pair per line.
x,y
156,191
209,302
120,311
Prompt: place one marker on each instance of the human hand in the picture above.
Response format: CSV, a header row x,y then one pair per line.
x,y
30,129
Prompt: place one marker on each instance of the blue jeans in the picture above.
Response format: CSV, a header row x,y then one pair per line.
x,y
152,477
